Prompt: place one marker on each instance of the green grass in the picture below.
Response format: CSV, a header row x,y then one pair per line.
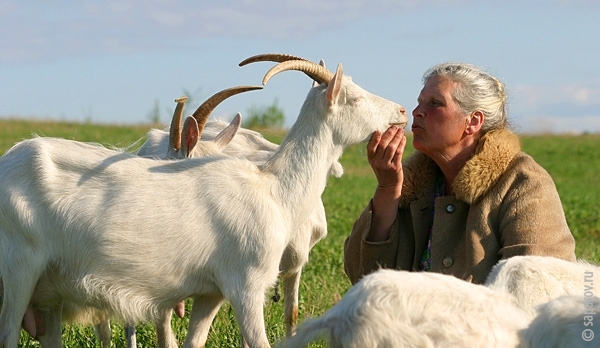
x,y
13,131
573,162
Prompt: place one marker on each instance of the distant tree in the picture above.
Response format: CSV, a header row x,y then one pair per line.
x,y
154,114
88,114
194,100
265,117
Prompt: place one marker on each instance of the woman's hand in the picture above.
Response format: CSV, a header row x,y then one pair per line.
x,y
385,152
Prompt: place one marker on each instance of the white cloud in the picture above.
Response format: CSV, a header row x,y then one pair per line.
x,y
53,29
561,124
581,92
570,108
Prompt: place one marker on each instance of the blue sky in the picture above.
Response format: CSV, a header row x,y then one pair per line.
x,y
112,61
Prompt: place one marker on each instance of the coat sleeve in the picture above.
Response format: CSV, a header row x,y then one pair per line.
x,y
362,257
533,221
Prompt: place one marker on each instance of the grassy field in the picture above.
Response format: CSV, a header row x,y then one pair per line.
x,y
573,162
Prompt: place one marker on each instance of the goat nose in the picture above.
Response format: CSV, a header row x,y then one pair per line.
x,y
402,110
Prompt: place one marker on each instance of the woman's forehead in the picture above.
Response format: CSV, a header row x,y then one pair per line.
x,y
438,86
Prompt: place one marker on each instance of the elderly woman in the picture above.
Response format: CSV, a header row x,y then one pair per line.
x,y
466,198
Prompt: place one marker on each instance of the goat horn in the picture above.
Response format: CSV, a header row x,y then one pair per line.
x,y
313,70
269,57
321,63
175,131
203,112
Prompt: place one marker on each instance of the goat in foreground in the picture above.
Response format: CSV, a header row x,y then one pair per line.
x,y
565,322
533,280
214,228
390,308
218,139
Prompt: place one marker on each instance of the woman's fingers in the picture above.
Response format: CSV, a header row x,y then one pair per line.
x,y
373,144
384,147
399,152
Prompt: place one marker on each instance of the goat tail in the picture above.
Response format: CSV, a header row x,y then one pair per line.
x,y
308,332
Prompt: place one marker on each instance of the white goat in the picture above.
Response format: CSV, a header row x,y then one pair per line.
x,y
565,322
209,228
390,308
218,139
162,144
533,280
165,337
252,146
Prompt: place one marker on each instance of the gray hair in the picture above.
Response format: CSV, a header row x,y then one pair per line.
x,y
476,90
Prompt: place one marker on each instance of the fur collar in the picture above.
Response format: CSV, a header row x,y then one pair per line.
x,y
495,151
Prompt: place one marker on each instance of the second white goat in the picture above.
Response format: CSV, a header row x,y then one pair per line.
x,y
565,322
390,308
533,280
72,313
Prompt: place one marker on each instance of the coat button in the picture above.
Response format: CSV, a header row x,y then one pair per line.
x,y
447,262
450,208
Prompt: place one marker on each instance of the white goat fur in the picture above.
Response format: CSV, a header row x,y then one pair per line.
x,y
219,134
534,280
563,323
209,228
45,299
245,142
218,138
253,146
390,308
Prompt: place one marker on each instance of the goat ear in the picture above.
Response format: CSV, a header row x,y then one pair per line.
x,y
335,86
227,134
321,63
189,136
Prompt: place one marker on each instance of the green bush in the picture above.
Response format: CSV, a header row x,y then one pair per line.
x,y
265,117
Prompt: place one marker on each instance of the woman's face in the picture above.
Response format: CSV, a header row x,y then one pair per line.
x,y
438,121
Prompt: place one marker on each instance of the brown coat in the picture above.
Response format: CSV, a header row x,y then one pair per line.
x,y
504,204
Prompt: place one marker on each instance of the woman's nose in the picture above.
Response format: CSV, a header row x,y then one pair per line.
x,y
416,112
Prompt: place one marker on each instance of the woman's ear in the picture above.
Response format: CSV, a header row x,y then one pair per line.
x,y
474,122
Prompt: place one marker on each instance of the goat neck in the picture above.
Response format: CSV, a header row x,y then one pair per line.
x,y
333,117
302,163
